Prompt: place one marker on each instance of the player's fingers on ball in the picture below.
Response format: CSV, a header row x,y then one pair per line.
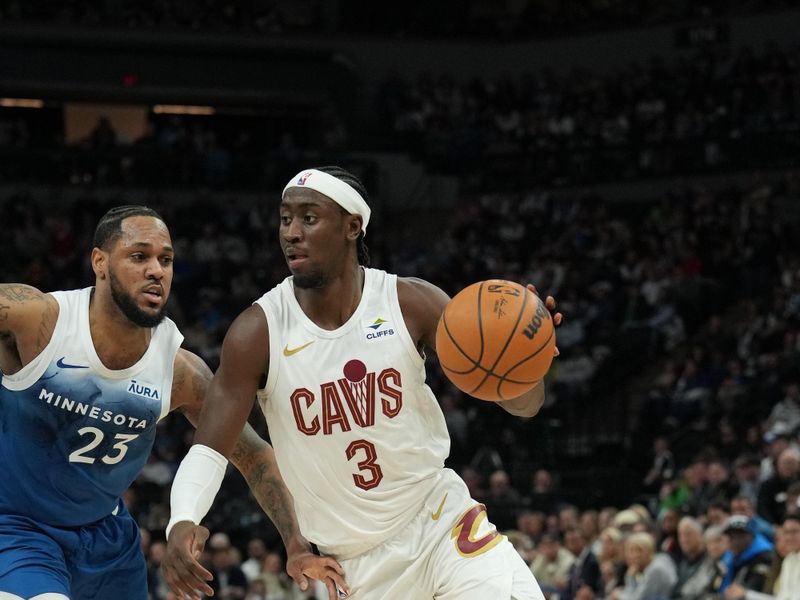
x,y
557,318
556,351
550,303
532,288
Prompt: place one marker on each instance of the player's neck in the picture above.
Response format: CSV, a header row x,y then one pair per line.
x,y
330,306
119,343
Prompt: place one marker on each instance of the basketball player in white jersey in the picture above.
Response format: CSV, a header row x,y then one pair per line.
x,y
86,376
359,437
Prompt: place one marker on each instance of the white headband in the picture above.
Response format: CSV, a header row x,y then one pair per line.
x,y
334,188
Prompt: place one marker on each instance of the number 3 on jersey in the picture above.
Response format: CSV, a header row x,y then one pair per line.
x,y
374,474
121,447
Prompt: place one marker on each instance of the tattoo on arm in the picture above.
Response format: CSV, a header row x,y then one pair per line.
x,y
4,308
46,326
266,483
19,293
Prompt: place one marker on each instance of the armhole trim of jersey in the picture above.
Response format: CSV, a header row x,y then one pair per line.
x,y
273,363
30,373
176,339
402,329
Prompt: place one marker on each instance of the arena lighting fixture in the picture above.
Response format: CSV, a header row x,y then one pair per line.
x,y
182,109
21,103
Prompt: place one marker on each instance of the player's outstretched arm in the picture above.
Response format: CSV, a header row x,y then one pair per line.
x,y
27,320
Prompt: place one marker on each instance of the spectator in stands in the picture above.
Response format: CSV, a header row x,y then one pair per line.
x,y
256,551
532,524
779,553
503,500
717,513
475,483
612,555
277,583
543,496
721,487
696,569
772,495
787,584
585,571
663,467
785,415
552,564
777,440
649,575
229,582
569,518
103,136
747,471
668,534
748,560
742,505
589,522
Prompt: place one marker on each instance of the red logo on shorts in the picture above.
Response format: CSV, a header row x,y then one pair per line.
x,y
465,530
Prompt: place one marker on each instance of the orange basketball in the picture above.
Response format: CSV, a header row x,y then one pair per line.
x,y
495,340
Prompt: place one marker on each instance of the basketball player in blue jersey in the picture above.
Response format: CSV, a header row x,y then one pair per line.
x,y
86,376
358,435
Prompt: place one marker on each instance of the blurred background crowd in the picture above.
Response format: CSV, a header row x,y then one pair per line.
x,y
656,199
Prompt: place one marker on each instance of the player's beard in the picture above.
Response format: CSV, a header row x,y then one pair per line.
x,y
309,281
127,305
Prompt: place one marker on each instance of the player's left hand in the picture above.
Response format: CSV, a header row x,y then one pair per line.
x,y
305,565
550,305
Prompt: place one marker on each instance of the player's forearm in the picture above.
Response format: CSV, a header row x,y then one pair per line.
x,y
526,405
255,459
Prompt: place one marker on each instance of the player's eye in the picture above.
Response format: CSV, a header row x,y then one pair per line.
x,y
310,219
286,220
167,260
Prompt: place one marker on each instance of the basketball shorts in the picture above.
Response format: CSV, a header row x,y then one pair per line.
x,y
449,551
101,561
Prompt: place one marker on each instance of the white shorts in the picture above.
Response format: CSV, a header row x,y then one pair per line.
x,y
449,551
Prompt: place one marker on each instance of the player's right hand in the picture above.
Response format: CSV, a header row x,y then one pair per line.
x,y
182,570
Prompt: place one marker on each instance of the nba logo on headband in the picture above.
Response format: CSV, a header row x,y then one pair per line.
x,y
304,177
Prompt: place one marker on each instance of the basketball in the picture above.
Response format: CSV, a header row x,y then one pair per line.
x,y
495,340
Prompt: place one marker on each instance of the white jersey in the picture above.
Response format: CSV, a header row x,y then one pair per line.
x,y
359,437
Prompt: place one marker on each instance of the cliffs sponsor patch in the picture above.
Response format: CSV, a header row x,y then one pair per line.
x,y
377,329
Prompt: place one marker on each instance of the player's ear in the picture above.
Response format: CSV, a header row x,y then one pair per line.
x,y
353,226
99,263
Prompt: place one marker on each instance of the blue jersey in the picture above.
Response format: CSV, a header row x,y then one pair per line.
x,y
75,434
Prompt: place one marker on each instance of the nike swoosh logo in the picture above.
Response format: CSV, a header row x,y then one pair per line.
x,y
62,365
290,351
435,516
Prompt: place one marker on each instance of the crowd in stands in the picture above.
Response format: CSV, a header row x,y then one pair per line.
x,y
473,18
682,329
707,113
249,16
173,151
696,295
